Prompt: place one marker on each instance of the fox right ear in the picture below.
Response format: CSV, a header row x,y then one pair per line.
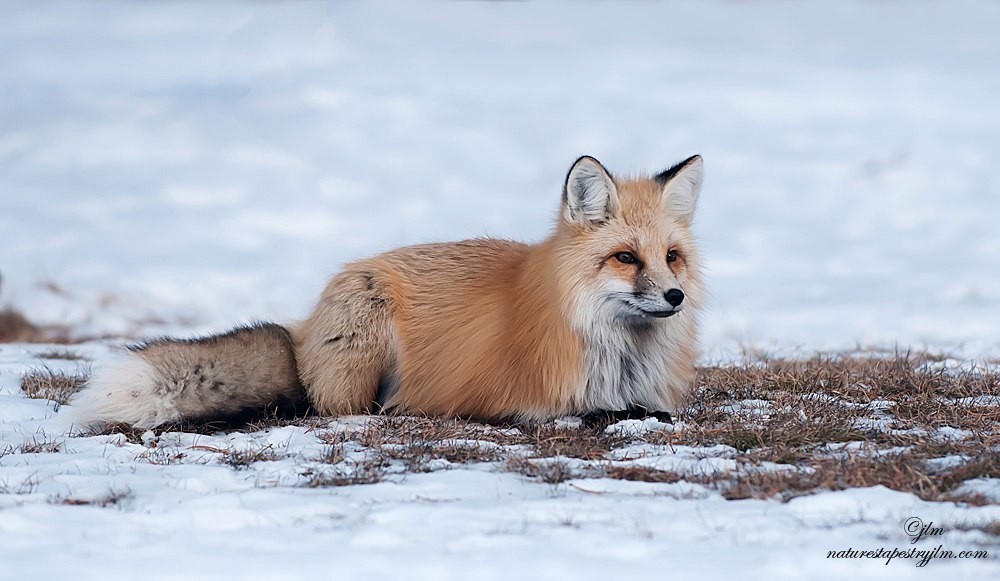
x,y
681,186
590,197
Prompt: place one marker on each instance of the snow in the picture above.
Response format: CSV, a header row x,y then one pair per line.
x,y
182,167
174,506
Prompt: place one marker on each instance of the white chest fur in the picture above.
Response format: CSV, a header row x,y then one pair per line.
x,y
626,365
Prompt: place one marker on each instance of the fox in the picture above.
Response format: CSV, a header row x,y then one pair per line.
x,y
600,317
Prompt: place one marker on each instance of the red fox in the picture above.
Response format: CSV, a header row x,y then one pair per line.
x,y
602,316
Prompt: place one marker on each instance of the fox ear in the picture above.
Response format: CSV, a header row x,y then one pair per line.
x,y
590,197
681,186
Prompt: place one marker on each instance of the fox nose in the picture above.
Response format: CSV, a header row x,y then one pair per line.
x,y
674,296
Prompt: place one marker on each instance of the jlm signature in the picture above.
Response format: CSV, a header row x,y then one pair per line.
x,y
916,529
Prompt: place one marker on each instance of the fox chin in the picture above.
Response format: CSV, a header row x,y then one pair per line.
x,y
601,316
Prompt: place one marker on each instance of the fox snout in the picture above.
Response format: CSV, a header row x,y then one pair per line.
x,y
660,305
655,301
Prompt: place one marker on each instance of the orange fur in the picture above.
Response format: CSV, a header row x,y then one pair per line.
x,y
485,328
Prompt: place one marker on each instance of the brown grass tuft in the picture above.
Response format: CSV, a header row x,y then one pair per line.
x,y
113,498
40,446
243,459
644,474
132,434
370,470
47,383
547,440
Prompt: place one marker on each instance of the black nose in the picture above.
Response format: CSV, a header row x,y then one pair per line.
x,y
674,296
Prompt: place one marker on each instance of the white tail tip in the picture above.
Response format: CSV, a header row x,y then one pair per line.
x,y
121,390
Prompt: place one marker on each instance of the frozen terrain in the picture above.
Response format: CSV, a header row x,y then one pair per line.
x,y
336,499
179,167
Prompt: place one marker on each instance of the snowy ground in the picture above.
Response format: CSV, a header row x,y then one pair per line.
x,y
183,166
336,499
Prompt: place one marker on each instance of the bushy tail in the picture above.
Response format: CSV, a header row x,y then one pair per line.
x,y
247,371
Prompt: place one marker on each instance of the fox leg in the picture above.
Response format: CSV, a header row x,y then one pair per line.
x,y
344,349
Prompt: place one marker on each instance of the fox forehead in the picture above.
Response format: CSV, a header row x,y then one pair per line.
x,y
642,201
645,220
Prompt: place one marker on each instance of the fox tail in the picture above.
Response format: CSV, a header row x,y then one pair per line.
x,y
247,372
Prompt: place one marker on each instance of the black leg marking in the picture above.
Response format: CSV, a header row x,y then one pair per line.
x,y
604,418
634,412
664,417
388,385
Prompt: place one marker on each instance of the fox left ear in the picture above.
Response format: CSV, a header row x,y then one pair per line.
x,y
590,197
681,186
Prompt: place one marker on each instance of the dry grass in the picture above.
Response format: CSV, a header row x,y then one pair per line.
x,y
549,471
47,383
644,474
831,398
907,472
585,443
112,498
242,459
797,413
61,355
26,486
163,456
132,434
991,528
417,441
16,328
801,407
831,422
40,446
369,470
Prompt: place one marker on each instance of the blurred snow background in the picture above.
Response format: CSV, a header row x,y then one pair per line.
x,y
185,166
179,167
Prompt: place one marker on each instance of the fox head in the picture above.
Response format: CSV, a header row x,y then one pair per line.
x,y
626,248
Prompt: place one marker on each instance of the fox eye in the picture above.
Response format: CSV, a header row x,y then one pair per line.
x,y
626,258
672,256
